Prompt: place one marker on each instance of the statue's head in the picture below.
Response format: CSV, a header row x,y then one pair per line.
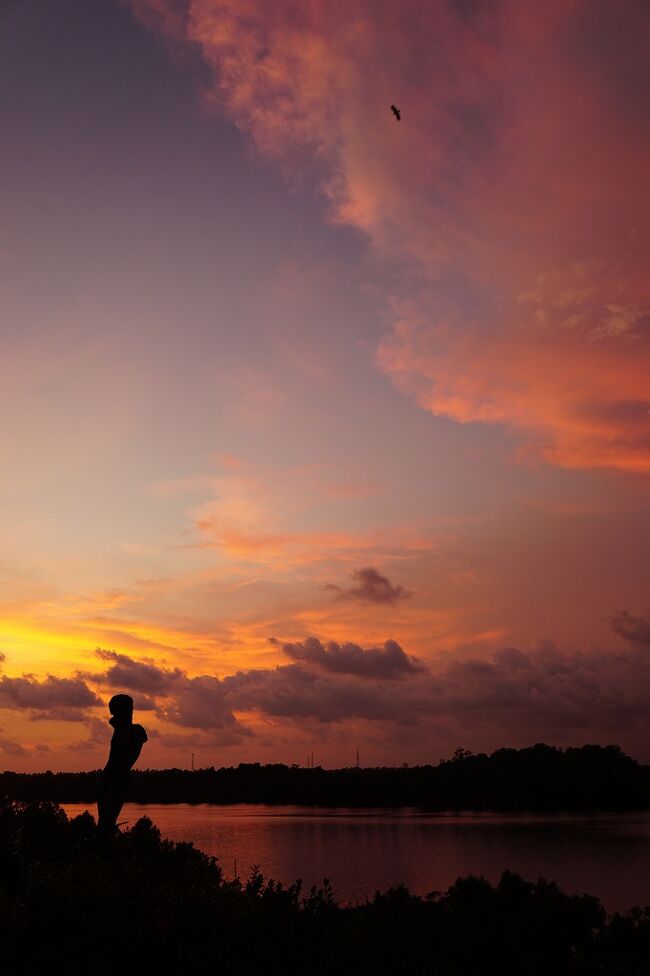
x,y
121,707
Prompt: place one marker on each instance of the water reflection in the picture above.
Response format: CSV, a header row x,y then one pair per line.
x,y
365,850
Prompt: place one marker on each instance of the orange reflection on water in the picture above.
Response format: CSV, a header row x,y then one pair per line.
x,y
364,850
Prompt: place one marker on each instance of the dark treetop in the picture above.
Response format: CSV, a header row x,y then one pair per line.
x,y
537,778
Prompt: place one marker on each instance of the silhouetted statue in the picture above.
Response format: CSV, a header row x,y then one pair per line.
x,y
126,746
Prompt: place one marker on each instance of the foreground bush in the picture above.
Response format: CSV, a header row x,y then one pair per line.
x,y
158,906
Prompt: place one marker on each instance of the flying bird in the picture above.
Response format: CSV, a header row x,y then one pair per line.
x,y
396,112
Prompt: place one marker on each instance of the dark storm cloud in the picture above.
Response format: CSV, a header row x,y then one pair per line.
x,y
295,693
44,696
634,629
143,676
146,704
546,688
389,661
510,695
58,715
12,748
512,659
292,691
371,587
99,735
197,702
203,703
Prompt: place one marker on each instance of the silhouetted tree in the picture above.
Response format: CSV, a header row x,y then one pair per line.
x,y
541,778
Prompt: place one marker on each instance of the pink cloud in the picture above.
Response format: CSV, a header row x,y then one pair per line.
x,y
504,209
252,517
575,402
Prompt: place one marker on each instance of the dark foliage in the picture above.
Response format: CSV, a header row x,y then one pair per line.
x,y
158,906
539,778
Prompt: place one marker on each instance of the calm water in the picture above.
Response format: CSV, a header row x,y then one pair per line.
x,y
361,851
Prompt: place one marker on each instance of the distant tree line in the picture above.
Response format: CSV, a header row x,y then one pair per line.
x,y
155,906
541,778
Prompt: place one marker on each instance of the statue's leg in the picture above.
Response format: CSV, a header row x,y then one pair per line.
x,y
109,804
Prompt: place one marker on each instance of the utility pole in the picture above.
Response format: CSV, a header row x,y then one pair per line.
x,y
192,762
357,758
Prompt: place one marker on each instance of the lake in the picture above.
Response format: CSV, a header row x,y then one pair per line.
x,y
362,850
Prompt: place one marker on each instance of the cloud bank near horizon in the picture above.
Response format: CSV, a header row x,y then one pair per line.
x,y
541,693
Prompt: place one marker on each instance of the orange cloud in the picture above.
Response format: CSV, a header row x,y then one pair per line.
x,y
383,689
577,401
304,548
504,207
259,516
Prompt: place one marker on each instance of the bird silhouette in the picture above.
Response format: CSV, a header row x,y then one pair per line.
x,y
396,112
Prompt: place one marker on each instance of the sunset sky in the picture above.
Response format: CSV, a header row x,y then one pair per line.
x,y
319,430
